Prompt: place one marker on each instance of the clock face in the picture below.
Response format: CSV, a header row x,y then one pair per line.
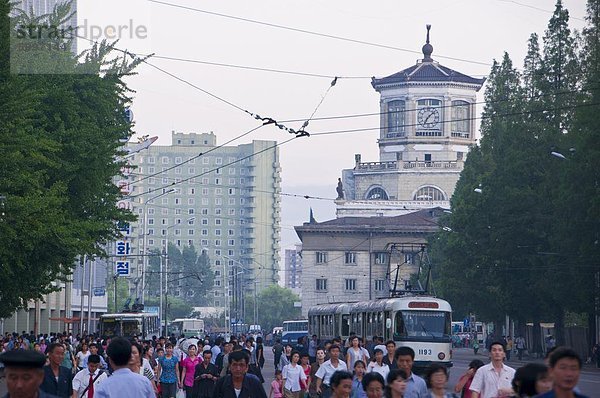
x,y
428,117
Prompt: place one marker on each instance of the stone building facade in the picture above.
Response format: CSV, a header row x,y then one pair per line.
x,y
427,125
356,258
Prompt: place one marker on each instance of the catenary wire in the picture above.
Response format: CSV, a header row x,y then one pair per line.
x,y
305,31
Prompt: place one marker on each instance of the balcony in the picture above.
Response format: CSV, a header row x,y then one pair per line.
x,y
377,166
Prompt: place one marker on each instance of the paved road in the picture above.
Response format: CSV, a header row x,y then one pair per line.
x,y
589,382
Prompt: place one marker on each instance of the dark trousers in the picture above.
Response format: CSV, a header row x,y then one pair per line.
x,y
168,390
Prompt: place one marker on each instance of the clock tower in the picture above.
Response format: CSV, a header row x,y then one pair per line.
x,y
427,125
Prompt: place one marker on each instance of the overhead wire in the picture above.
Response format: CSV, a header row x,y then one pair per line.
x,y
309,32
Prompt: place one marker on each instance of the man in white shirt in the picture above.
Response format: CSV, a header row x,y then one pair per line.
x,y
327,369
494,379
87,380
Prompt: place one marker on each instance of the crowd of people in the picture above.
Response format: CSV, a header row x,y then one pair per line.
x,y
63,365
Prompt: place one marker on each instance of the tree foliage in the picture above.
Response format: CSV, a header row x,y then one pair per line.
x,y
525,221
189,274
275,304
61,134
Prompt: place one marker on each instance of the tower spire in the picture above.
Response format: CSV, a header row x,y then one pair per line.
x,y
427,48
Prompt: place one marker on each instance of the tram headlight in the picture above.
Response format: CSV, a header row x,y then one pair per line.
x,y
441,356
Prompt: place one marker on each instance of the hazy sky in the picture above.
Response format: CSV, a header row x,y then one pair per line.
x,y
474,31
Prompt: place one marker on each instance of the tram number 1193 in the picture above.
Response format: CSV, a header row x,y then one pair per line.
x,y
424,351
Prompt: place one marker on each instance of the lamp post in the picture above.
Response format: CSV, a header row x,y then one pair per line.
x,y
238,287
145,237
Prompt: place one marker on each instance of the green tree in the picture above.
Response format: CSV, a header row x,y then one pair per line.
x,y
122,293
176,307
60,136
188,273
275,304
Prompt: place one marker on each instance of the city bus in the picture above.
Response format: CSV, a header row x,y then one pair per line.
x,y
189,327
293,330
130,324
420,322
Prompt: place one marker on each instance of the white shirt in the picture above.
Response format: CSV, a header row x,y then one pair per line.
x,y
326,370
487,381
125,383
292,376
82,379
81,356
383,370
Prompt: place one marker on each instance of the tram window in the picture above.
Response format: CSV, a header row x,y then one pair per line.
x,y
345,325
400,330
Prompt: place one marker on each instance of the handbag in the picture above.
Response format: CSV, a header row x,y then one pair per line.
x,y
180,394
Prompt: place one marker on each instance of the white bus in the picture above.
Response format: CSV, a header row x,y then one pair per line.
x,y
130,324
189,327
420,322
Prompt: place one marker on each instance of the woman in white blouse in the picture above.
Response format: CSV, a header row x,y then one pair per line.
x,y
292,374
356,353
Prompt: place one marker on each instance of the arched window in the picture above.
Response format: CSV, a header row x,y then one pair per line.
x,y
377,193
395,119
430,193
461,119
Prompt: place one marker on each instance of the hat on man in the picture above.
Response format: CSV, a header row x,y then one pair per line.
x,y
23,359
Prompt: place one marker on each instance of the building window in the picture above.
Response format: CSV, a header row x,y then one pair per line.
x,y
321,257
165,160
205,160
350,258
191,170
395,123
231,242
381,258
219,161
190,232
429,193
380,285
205,232
321,285
217,242
217,232
190,211
461,119
217,283
350,284
408,258
190,201
376,193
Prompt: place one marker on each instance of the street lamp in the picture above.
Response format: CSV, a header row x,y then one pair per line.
x,y
145,258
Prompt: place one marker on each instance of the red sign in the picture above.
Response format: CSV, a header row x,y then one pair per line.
x,y
423,304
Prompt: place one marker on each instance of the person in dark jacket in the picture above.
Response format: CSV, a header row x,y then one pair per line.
x,y
24,373
57,379
248,384
204,376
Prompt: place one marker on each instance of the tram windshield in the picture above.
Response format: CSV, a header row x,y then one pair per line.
x,y
422,324
117,327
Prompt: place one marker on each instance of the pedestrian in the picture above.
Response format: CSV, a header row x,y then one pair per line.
x,y
57,378
359,372
531,380
239,384
293,375
312,348
356,353
436,377
93,347
396,384
464,382
277,385
123,382
139,365
596,354
314,367
205,375
494,379
285,357
222,362
475,347
24,373
260,353
565,369
520,343
188,368
415,385
327,369
341,384
377,365
87,380
277,352
82,356
509,347
388,359
168,373
306,368
373,384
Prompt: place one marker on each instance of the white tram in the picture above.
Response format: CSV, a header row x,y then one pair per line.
x,y
420,322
